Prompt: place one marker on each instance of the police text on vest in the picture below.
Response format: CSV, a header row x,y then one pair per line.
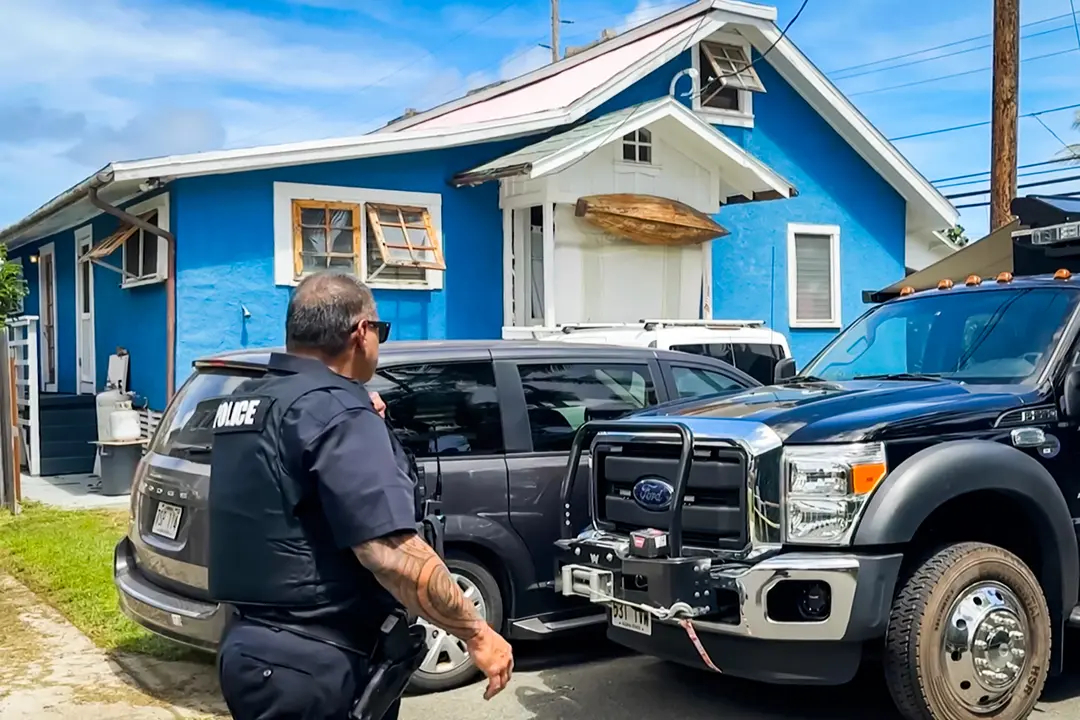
x,y
236,414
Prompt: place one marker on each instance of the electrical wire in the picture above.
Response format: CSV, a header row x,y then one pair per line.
x,y
987,172
948,55
924,81
1067,146
981,123
1019,175
953,43
1039,183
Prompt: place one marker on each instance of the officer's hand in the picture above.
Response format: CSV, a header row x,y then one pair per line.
x,y
378,404
492,654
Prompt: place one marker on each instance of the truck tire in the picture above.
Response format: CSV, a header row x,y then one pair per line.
x,y
450,666
969,637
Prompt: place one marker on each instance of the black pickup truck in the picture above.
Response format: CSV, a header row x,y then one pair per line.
x,y
910,496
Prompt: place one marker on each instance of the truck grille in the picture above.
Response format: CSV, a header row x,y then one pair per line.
x,y
714,514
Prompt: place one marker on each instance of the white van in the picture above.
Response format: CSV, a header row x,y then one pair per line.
x,y
746,344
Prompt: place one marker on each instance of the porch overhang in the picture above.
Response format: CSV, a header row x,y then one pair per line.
x,y
986,258
744,177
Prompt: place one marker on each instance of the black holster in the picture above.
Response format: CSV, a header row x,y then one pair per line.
x,y
397,656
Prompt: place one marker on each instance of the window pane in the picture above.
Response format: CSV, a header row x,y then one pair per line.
x,y
131,255
313,240
84,269
451,408
813,277
341,241
388,215
644,136
377,271
756,360
629,152
560,398
313,217
695,382
644,153
149,253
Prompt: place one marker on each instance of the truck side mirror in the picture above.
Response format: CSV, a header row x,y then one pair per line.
x,y
1070,397
784,369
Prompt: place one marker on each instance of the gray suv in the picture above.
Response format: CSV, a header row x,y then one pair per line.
x,y
490,423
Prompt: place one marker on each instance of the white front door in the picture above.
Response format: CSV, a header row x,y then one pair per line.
x,y
84,312
528,266
47,313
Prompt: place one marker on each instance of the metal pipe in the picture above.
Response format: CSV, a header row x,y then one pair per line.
x,y
69,197
170,283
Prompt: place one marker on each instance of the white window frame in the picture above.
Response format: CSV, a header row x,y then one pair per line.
x,y
637,144
833,232
744,116
161,273
286,193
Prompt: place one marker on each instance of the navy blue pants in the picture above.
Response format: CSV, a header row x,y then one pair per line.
x,y
269,674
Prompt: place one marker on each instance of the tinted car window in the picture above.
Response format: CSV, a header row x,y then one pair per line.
x,y
691,382
561,397
755,359
185,429
445,408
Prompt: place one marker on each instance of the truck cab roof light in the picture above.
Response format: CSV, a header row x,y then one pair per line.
x,y
1062,274
1005,277
907,290
973,280
945,284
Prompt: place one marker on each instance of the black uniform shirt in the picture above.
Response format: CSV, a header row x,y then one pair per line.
x,y
355,488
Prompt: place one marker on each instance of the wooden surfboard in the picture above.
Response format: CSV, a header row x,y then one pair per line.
x,y
648,219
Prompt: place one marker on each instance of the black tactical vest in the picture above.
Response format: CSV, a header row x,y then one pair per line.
x,y
271,552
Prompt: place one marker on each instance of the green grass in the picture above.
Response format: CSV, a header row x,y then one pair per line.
x,y
65,557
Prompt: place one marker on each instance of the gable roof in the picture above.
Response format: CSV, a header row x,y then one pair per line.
x,y
748,177
596,78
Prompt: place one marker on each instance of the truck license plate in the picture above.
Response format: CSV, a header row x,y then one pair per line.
x,y
167,520
627,617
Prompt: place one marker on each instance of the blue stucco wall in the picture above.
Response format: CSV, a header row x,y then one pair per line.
x,y
836,187
225,252
133,318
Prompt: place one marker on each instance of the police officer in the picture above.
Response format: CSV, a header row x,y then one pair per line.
x,y
313,521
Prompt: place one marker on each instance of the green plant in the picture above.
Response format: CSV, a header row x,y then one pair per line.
x,y
12,286
956,236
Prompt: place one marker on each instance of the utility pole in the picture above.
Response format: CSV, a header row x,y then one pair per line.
x,y
555,31
1006,83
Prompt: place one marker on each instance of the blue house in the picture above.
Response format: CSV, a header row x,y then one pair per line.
x,y
462,217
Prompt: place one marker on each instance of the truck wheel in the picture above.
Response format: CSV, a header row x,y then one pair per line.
x,y
969,637
447,664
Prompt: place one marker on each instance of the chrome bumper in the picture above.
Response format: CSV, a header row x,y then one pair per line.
x,y
686,588
184,620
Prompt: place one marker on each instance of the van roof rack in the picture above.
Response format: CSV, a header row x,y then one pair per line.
x,y
654,324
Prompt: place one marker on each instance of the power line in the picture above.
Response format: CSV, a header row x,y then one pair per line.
x,y
924,81
1039,183
1026,174
987,172
949,54
980,124
954,43
1076,25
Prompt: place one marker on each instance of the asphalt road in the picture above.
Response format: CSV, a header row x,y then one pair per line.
x,y
600,682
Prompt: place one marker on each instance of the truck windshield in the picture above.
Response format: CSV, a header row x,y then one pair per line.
x,y
991,337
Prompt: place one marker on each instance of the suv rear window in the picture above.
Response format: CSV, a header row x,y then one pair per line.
x,y
184,430
758,360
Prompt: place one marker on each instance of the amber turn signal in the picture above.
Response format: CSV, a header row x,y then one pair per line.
x,y
1062,274
1005,277
973,280
907,290
945,284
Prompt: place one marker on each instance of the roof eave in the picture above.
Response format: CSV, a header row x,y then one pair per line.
x,y
65,199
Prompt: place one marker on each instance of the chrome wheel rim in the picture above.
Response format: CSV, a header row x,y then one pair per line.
x,y
985,647
447,653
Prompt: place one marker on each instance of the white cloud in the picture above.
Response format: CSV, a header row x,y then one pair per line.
x,y
644,11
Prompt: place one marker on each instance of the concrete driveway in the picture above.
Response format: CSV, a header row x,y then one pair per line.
x,y
556,682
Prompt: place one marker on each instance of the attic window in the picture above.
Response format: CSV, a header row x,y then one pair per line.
x,y
637,146
404,238
727,77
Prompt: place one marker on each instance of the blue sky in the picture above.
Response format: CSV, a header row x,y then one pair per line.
x,y
84,83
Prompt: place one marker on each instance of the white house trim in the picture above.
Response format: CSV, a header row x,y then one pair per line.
x,y
48,249
285,193
833,231
84,240
161,204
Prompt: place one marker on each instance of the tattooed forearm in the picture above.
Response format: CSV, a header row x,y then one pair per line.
x,y
414,574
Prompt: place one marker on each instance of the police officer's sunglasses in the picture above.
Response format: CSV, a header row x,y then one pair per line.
x,y
379,326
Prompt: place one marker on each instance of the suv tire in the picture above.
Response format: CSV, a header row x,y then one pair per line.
x,y
969,636
472,577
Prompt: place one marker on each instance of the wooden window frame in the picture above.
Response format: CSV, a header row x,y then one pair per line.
x,y
384,247
299,205
741,75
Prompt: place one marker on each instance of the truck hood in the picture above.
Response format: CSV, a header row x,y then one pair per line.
x,y
861,410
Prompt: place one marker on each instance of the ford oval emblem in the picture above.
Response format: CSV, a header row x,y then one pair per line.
x,y
653,493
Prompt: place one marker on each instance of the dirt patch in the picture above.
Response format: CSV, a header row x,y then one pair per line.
x,y
51,670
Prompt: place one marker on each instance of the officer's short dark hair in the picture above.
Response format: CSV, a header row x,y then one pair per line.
x,y
323,312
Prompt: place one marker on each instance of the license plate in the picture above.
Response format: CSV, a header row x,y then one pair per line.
x,y
167,520
627,617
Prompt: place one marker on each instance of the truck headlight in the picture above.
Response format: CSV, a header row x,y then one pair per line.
x,y
827,488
